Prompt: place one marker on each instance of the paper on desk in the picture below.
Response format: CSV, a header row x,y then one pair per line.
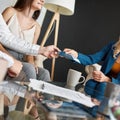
x,y
61,92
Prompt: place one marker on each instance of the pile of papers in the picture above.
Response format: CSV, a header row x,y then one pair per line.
x,y
49,88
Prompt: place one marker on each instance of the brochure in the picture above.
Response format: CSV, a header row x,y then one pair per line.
x,y
68,56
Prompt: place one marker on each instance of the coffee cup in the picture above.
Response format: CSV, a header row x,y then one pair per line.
x,y
74,77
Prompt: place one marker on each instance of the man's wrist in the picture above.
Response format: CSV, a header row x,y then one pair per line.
x,y
41,50
8,58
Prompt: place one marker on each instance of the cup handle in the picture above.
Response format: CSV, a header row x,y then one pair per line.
x,y
82,80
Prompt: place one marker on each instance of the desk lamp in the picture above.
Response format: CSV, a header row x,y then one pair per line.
x,y
63,7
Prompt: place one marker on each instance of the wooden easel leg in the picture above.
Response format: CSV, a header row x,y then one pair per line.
x,y
55,43
52,69
56,18
48,30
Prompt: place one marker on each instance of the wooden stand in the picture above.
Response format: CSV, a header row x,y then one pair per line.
x,y
55,19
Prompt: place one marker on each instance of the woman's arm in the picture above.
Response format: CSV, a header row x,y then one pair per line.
x,y
11,41
96,57
8,13
14,66
92,58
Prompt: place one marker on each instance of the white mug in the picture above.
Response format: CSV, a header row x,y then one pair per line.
x,y
73,78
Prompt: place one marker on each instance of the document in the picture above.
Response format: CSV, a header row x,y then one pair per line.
x,y
68,56
49,88
12,88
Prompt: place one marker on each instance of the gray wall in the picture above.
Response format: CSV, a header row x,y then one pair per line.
x,y
94,24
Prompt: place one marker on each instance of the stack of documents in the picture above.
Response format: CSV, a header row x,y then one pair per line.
x,y
49,88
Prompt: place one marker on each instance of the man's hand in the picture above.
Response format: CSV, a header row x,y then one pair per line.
x,y
15,69
100,77
50,51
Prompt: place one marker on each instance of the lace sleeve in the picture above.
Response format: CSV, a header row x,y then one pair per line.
x,y
8,58
15,43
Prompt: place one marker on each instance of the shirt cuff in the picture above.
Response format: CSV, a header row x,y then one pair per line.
x,y
8,58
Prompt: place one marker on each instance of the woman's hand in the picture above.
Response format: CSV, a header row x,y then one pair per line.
x,y
100,77
71,52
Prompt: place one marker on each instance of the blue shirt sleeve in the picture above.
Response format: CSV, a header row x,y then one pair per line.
x,y
96,57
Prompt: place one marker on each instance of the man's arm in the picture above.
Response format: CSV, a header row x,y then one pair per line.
x,y
22,46
15,43
14,66
7,58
